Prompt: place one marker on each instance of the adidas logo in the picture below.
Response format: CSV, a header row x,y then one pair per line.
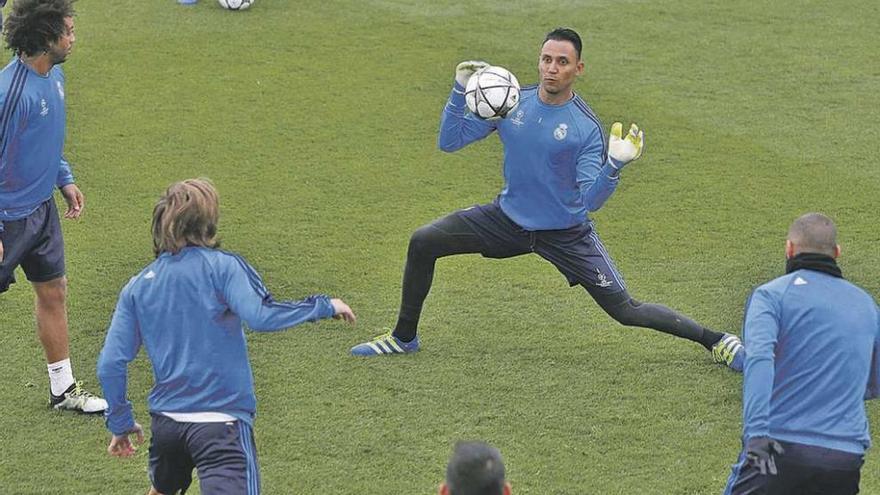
x,y
150,274
800,281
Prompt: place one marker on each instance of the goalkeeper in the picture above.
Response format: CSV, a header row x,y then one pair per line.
x,y
557,167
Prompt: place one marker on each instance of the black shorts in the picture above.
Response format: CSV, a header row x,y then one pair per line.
x,y
35,243
801,470
576,252
223,454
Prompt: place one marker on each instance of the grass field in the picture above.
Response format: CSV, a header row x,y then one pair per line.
x,y
318,120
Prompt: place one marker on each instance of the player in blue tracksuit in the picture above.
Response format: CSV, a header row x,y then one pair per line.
x,y
812,344
558,167
186,309
32,126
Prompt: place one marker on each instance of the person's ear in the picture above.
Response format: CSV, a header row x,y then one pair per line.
x,y
789,248
507,488
444,490
837,250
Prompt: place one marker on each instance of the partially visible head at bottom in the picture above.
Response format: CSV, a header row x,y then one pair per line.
x,y
476,468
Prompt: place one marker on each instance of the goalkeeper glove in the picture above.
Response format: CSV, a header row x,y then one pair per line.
x,y
465,70
622,150
761,452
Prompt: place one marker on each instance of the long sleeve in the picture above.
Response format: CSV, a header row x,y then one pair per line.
x,y
458,127
120,347
873,390
65,175
761,332
244,293
594,178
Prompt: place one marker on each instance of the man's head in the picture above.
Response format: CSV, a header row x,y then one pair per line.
x,y
37,27
476,468
559,64
186,215
812,233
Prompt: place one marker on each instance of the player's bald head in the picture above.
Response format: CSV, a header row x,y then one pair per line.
x,y
814,233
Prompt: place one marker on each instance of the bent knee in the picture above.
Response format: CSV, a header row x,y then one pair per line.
x,y
626,313
422,241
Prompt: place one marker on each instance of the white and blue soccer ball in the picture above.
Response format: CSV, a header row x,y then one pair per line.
x,y
236,4
492,93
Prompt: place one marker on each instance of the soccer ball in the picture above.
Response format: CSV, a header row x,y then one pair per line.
x,y
236,4
492,93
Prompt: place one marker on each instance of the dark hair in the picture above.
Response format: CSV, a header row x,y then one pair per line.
x,y
476,468
565,34
32,25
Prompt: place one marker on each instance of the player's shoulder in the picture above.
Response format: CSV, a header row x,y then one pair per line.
x,y
584,113
528,92
56,72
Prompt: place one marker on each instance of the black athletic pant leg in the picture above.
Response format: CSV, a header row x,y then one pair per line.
x,y
443,237
627,311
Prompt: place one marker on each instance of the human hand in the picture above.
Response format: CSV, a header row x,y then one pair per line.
x,y
625,149
75,201
121,446
466,69
342,311
761,452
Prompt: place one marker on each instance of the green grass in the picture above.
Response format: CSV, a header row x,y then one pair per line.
x,y
317,120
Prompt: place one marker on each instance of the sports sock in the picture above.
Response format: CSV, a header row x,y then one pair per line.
x,y
710,338
60,376
405,331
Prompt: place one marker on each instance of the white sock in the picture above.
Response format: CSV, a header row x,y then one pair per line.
x,y
60,376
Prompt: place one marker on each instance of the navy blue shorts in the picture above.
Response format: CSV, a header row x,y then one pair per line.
x,y
35,243
576,252
801,470
223,454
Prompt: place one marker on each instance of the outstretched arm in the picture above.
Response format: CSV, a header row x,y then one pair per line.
x,y
247,296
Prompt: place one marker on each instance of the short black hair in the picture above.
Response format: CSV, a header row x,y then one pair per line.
x,y
32,25
476,468
565,34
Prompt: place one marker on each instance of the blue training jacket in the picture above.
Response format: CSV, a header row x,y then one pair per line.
x,y
812,345
187,311
32,126
556,166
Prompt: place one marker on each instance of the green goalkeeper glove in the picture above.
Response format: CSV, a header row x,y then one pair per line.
x,y
465,70
622,150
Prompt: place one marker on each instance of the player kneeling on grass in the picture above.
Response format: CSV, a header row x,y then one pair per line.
x,y
558,166
186,308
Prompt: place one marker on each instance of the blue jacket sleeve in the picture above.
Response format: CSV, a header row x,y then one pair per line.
x,y
247,296
760,332
120,347
459,127
65,175
594,173
873,390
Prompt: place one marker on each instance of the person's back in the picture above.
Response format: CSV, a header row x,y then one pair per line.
x,y
194,339
823,351
187,308
812,343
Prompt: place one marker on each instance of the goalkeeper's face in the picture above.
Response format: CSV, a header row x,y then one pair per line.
x,y
558,67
